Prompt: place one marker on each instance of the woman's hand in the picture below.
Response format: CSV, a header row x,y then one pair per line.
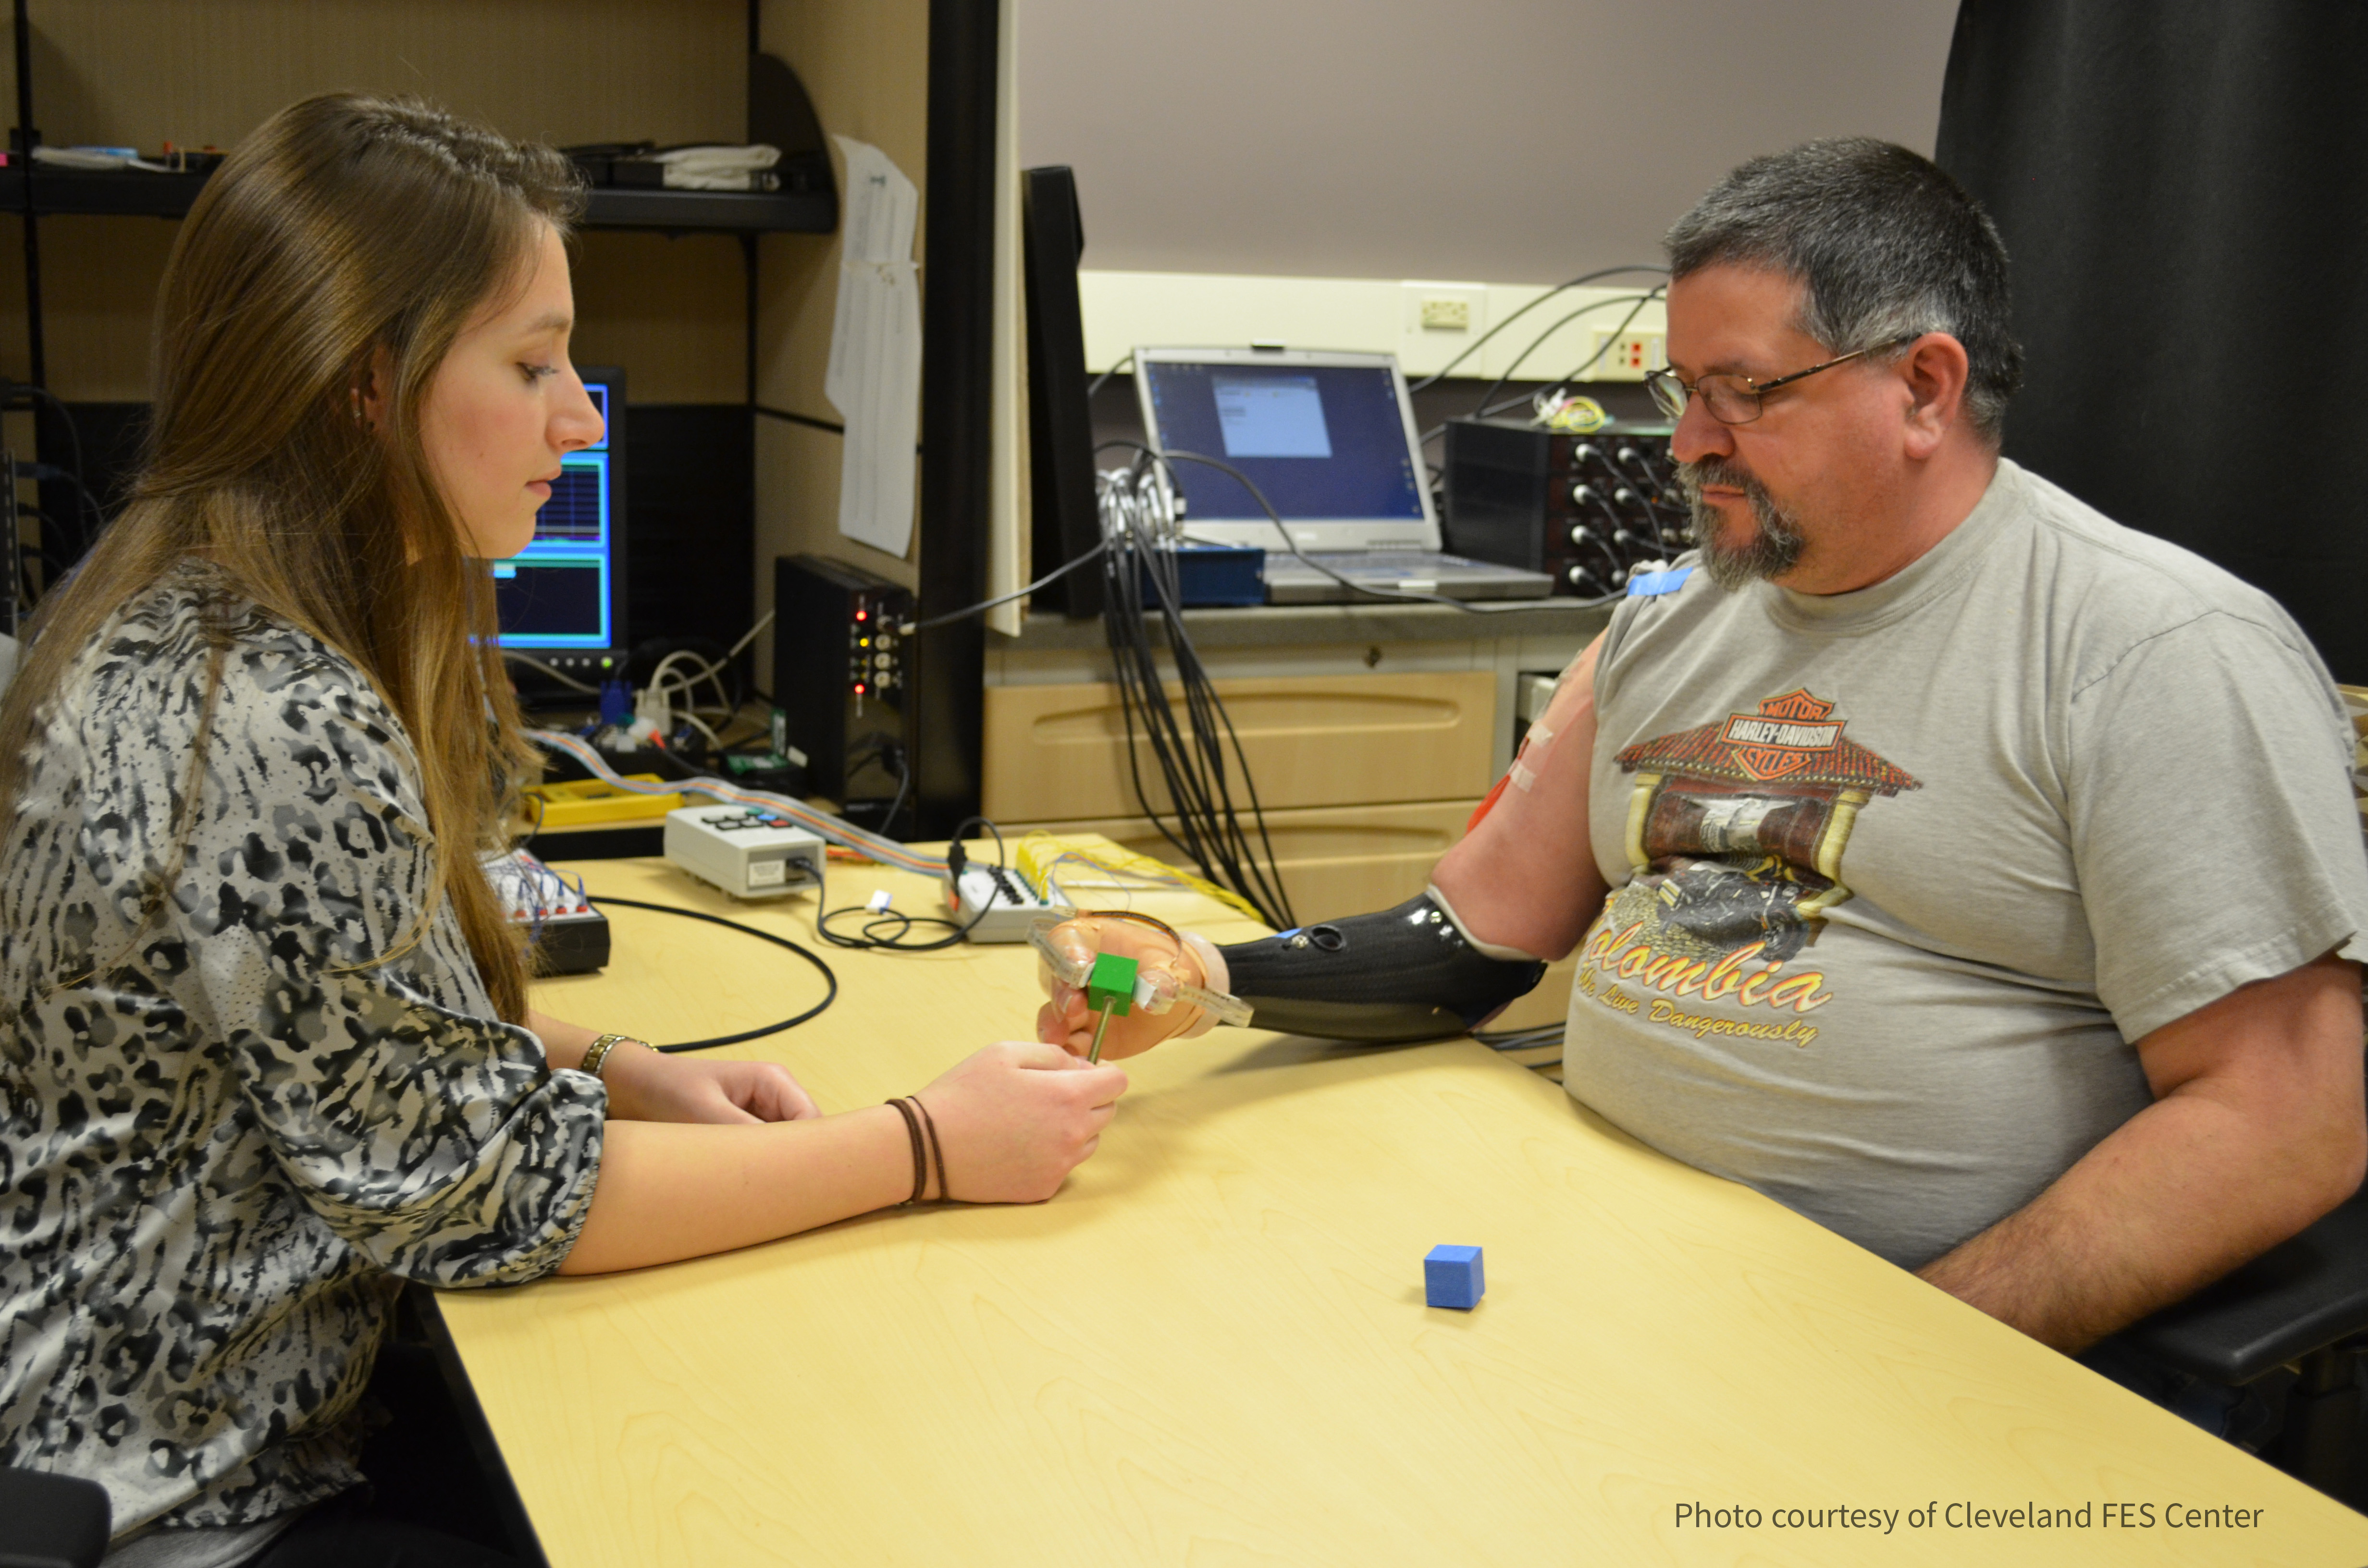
x,y
1068,1022
645,1084
1015,1118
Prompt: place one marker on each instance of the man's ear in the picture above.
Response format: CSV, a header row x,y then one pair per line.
x,y
1935,370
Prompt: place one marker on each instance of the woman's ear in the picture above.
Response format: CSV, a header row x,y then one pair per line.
x,y
373,388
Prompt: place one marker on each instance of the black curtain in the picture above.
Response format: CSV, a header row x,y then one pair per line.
x,y
2182,186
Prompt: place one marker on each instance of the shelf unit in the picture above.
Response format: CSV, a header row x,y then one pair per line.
x,y
137,193
962,59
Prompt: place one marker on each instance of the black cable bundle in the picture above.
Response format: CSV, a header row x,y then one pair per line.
x,y
1207,828
1192,754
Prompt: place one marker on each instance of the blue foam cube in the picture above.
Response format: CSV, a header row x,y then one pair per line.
x,y
1451,1277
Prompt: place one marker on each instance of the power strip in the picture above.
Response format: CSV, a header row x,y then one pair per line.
x,y
1011,905
747,852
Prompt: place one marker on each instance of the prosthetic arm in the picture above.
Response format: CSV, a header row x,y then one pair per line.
x,y
1413,972
1408,973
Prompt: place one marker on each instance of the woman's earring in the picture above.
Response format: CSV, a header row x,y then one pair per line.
x,y
360,417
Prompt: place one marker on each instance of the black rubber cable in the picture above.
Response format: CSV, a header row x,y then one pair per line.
x,y
815,959
984,605
1483,409
1478,343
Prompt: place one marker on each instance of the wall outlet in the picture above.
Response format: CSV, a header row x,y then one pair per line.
x,y
1626,355
1438,316
1447,315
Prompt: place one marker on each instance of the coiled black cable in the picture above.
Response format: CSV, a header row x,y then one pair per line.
x,y
898,923
812,958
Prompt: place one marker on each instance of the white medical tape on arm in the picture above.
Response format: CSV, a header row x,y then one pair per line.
x,y
1539,741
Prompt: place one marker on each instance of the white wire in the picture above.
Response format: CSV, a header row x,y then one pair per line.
x,y
751,637
709,671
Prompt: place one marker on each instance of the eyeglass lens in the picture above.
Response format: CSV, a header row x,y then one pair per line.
x,y
1729,403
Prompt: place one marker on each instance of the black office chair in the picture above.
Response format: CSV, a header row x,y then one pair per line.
x,y
2304,1300
52,1521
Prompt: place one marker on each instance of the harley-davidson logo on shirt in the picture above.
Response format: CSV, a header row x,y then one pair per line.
x,y
1786,736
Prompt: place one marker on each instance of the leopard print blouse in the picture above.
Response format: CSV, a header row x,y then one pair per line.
x,y
229,1134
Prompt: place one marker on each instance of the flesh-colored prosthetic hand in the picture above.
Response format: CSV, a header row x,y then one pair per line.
x,y
1176,990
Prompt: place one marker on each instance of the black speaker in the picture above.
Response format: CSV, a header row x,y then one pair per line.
x,y
1060,424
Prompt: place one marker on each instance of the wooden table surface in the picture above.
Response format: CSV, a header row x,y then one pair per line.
x,y
1212,1348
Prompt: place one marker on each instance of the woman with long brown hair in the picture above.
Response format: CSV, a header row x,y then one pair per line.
x,y
264,1050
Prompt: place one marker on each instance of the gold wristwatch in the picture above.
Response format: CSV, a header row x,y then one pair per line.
x,y
595,1055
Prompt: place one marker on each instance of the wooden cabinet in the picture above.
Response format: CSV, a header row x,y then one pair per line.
x,y
1334,860
1058,752
1365,780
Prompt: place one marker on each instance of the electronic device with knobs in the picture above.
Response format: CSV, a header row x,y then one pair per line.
x,y
1585,509
841,676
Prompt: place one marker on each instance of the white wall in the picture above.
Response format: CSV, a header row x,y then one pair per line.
x,y
1500,141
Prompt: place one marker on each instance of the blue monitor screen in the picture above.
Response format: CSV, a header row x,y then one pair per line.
x,y
559,592
1323,442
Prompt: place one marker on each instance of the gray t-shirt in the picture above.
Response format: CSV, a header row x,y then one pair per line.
x,y
1899,875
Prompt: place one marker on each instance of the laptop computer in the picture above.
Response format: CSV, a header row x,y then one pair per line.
x,y
1330,439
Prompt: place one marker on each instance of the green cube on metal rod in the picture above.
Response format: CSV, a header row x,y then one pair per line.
x,y
1110,991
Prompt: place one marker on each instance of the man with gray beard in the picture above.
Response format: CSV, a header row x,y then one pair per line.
x,y
1775,545
1968,873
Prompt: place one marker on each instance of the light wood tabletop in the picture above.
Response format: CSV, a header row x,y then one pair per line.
x,y
1212,1346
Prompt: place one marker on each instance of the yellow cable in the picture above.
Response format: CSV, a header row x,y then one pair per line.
x,y
1037,867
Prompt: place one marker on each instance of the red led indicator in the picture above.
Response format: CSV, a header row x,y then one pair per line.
x,y
858,689
863,615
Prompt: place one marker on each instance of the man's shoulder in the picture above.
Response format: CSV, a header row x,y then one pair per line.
x,y
2119,586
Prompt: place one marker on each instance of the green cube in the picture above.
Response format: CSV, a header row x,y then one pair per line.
x,y
1110,987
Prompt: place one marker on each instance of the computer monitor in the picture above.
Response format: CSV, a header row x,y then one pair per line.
x,y
1330,437
563,597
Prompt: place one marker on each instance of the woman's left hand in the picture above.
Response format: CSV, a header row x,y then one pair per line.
x,y
646,1085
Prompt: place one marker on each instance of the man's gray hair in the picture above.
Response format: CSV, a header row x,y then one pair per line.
x,y
1884,243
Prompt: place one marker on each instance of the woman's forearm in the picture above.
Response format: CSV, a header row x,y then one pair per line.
x,y
564,1044
669,1190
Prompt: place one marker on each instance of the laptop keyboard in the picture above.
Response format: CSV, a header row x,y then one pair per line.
x,y
1414,561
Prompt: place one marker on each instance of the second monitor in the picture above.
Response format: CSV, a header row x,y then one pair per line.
x,y
563,597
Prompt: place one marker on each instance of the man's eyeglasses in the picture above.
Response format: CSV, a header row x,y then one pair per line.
x,y
1734,399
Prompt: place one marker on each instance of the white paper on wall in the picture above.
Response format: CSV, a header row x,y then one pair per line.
x,y
874,379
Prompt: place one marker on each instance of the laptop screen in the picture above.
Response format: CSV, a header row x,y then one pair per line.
x,y
1326,442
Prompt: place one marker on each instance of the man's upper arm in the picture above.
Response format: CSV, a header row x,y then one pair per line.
x,y
2284,1054
1525,876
